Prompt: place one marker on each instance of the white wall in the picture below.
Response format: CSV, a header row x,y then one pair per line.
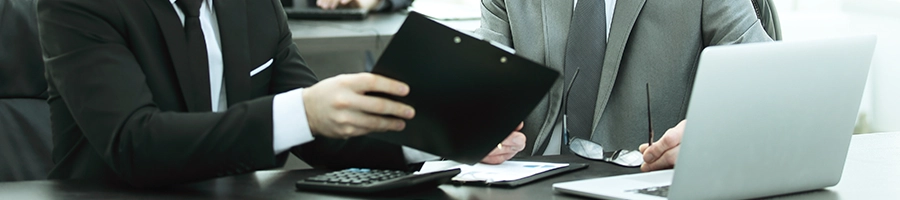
x,y
804,19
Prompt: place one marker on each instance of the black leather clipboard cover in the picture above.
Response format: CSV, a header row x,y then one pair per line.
x,y
526,180
468,94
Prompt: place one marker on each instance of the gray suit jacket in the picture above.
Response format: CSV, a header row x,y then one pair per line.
x,y
650,41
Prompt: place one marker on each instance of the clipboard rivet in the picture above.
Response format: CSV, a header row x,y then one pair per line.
x,y
457,39
503,59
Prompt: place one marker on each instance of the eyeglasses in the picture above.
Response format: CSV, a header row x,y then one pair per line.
x,y
593,151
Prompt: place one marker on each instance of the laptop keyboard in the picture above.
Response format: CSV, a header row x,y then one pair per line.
x,y
660,191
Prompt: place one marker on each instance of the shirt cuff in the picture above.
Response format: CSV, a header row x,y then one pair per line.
x,y
416,156
289,124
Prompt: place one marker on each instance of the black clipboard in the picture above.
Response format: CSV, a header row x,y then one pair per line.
x,y
515,183
468,94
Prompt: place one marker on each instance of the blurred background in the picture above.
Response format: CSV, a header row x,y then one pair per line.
x,y
807,19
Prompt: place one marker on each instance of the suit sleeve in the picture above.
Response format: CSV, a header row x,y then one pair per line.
x,y
495,22
326,152
291,72
731,22
100,80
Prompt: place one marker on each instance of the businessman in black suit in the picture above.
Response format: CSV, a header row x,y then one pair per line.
x,y
157,92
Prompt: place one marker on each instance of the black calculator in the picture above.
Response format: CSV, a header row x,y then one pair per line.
x,y
363,180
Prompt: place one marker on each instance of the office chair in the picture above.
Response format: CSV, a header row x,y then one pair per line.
x,y
25,134
768,17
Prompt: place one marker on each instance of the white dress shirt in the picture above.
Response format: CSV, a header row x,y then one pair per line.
x,y
289,124
555,143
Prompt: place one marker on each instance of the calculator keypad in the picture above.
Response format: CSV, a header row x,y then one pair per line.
x,y
357,176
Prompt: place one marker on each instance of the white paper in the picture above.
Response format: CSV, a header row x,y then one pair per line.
x,y
508,171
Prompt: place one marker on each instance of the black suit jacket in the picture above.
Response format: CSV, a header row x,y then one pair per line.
x,y
21,66
125,105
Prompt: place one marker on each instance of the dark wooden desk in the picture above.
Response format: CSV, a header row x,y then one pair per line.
x,y
871,172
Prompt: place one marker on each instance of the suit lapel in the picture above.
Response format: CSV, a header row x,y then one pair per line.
x,y
173,33
557,16
232,19
624,18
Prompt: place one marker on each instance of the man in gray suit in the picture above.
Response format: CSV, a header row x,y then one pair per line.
x,y
617,46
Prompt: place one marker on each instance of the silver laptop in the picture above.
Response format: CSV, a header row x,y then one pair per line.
x,y
764,119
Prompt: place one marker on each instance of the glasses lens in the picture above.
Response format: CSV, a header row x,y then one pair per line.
x,y
628,158
590,150
586,149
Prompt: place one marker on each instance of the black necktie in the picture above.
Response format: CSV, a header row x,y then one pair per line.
x,y
585,49
196,49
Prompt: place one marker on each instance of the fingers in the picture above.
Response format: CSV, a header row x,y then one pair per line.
x,y
355,124
498,156
337,107
497,159
512,145
652,152
381,106
515,142
666,161
505,149
366,82
671,139
379,123
372,108
327,4
346,127
643,147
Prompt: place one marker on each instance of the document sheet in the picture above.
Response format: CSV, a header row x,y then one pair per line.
x,y
508,171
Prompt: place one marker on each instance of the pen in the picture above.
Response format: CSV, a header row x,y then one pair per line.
x,y
649,122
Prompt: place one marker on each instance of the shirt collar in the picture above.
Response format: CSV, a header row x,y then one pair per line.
x,y
208,3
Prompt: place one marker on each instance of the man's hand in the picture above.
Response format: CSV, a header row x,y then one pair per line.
x,y
510,146
337,107
663,153
332,4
